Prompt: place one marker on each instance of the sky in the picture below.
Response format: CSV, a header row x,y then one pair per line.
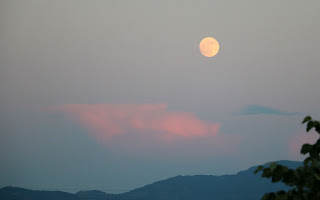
x,y
114,95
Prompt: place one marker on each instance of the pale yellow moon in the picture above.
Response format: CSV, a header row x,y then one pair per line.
x,y
209,46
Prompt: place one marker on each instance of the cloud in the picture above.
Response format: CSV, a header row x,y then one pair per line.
x,y
297,140
259,109
106,121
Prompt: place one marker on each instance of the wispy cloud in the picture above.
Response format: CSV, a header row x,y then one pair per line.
x,y
259,110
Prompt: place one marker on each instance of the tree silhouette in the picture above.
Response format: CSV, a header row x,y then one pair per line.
x,y
305,180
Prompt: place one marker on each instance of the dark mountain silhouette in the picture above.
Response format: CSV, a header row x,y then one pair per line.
x,y
243,185
94,195
14,193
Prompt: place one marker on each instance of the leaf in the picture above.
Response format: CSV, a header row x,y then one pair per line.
x,y
310,125
259,168
273,165
277,174
306,119
306,148
317,126
307,160
317,176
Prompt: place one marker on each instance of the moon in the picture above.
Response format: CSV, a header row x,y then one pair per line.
x,y
209,47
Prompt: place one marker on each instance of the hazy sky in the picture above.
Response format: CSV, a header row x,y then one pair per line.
x,y
113,95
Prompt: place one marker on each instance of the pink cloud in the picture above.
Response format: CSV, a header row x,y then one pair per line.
x,y
297,140
105,121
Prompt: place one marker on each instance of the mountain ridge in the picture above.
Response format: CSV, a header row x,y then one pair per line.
x,y
242,185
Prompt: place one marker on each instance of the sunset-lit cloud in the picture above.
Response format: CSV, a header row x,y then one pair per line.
x,y
105,121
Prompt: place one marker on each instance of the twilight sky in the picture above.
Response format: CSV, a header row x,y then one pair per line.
x,y
114,95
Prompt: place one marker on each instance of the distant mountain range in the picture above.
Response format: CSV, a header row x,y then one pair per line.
x,y
243,185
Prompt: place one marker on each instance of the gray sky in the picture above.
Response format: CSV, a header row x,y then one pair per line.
x,y
113,95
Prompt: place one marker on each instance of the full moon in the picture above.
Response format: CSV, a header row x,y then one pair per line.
x,y
209,46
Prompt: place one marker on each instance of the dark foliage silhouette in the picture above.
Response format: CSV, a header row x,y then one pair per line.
x,y
304,181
